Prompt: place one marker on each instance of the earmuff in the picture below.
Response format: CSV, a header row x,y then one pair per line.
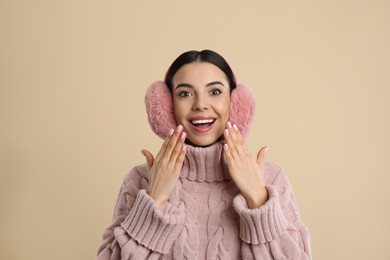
x,y
159,107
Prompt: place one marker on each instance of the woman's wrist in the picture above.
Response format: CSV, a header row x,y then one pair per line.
x,y
258,200
160,203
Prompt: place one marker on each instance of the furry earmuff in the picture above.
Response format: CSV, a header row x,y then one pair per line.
x,y
159,107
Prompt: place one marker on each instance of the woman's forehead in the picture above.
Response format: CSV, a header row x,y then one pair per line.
x,y
199,73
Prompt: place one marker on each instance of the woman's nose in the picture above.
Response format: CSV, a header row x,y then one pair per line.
x,y
200,104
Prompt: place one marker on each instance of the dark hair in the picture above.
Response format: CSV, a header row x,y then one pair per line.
x,y
200,56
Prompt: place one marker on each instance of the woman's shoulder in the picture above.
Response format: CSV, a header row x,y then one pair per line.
x,y
136,175
140,170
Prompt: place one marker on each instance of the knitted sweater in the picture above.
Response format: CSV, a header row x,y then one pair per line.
x,y
206,216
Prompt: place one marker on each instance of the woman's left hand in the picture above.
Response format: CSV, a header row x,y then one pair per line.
x,y
246,172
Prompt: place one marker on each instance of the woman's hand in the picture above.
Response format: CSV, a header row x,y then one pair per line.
x,y
246,172
164,170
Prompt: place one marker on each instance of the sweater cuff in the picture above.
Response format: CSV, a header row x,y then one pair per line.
x,y
150,227
263,224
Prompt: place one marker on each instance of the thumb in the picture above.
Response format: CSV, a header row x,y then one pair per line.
x,y
149,158
261,157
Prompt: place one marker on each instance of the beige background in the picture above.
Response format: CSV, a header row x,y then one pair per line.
x,y
73,78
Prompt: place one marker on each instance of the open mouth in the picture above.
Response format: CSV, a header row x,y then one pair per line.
x,y
202,123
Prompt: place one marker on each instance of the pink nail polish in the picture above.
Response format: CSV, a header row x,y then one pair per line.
x,y
183,135
227,132
171,131
179,128
229,124
235,127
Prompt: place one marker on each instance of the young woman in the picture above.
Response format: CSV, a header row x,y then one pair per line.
x,y
204,195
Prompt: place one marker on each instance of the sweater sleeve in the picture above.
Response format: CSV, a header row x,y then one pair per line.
x,y
274,230
139,230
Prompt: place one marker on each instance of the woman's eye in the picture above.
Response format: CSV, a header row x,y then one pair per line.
x,y
215,92
185,94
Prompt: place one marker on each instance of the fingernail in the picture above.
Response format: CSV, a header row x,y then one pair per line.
x,y
226,146
179,128
227,132
235,127
229,124
183,135
266,149
171,131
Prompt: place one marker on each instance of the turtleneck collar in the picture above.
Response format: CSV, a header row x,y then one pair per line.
x,y
205,163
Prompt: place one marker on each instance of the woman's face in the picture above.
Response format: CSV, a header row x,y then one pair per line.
x,y
201,102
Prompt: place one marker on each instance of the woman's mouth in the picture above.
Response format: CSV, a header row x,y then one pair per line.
x,y
202,125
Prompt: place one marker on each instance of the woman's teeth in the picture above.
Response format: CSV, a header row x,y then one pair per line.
x,y
203,121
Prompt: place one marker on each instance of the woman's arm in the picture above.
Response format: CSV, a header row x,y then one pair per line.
x,y
270,227
144,224
139,230
274,230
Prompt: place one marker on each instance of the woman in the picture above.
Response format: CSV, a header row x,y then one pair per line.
x,y
203,195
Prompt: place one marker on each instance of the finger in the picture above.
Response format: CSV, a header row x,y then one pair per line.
x,y
261,157
164,145
149,158
239,143
228,155
180,158
232,132
175,138
229,142
178,147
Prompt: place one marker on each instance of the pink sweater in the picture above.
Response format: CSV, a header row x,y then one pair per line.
x,y
206,217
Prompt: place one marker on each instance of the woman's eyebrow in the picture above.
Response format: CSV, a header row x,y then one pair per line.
x,y
183,85
215,83
186,85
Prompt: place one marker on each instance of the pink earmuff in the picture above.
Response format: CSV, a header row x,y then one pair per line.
x,y
159,107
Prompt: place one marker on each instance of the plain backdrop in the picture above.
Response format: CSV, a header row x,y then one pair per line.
x,y
73,121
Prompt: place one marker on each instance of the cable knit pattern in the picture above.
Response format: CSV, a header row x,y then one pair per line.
x,y
188,242
206,217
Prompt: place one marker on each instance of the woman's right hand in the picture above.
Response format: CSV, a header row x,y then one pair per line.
x,y
164,170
